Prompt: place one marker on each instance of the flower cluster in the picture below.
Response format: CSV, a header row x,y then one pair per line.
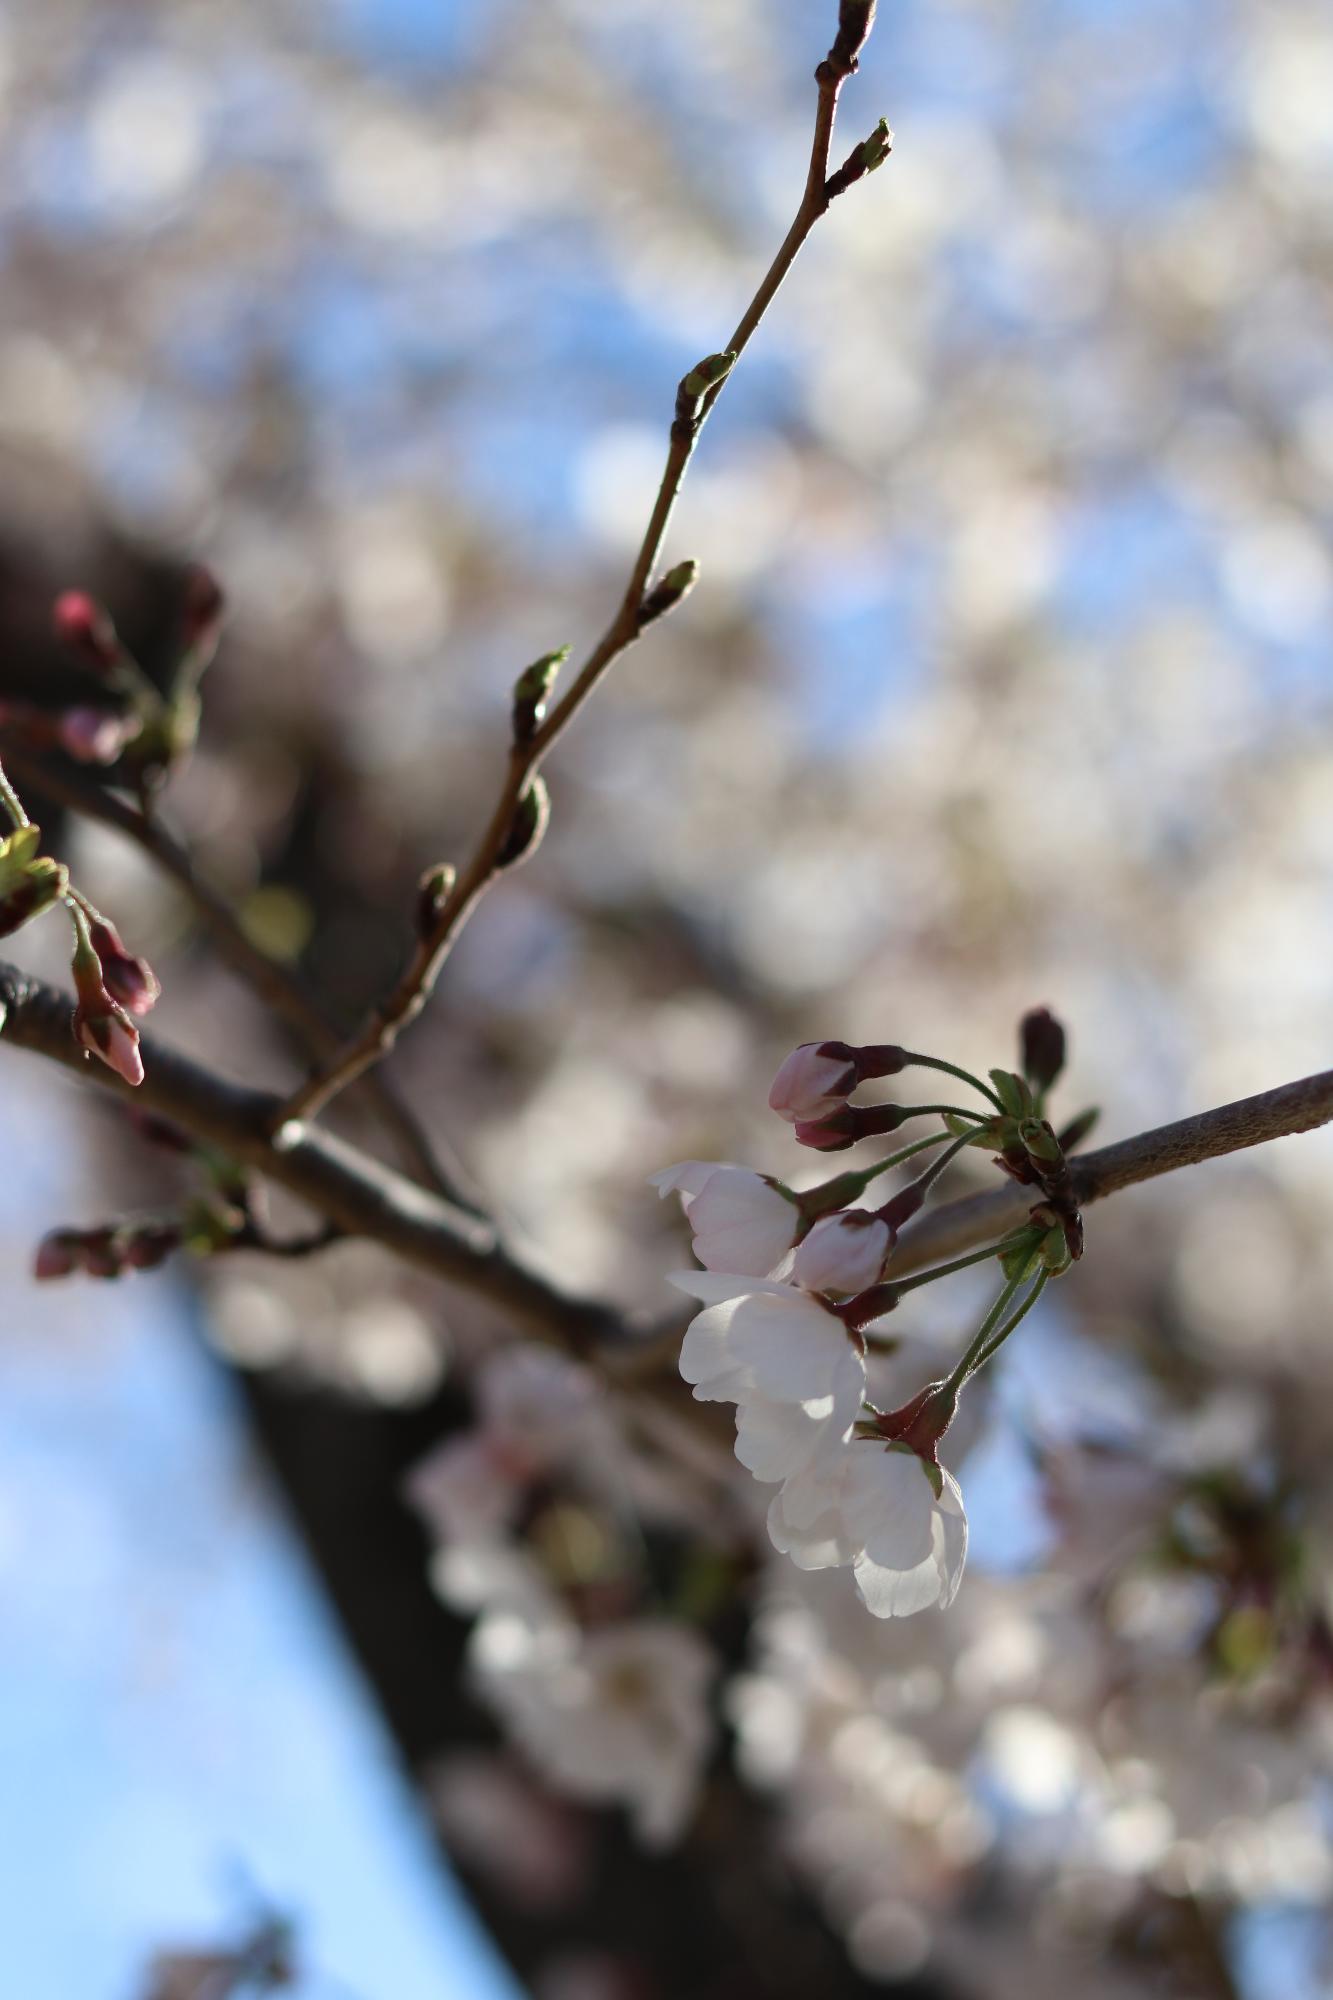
x,y
608,1707
793,1281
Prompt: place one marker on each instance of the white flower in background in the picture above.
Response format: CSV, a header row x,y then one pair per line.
x,y
618,1716
741,1221
810,1084
843,1253
896,1517
464,1490
538,1407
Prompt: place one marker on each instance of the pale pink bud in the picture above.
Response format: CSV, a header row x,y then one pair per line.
x,y
94,735
814,1080
843,1253
113,1038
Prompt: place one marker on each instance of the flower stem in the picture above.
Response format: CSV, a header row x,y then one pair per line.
x,y
11,802
952,1069
973,1357
997,1340
1010,1242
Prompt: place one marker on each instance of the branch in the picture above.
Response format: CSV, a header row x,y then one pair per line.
x,y
280,989
365,1199
636,608
332,1177
1251,1121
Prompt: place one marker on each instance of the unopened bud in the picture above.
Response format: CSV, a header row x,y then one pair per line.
x,y
667,594
432,895
531,690
57,1255
704,377
128,979
85,626
527,826
95,735
1039,1140
1042,1045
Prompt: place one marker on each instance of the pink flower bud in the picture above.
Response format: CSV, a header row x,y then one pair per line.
x,y
57,1255
127,979
843,1253
113,1038
84,625
94,735
814,1080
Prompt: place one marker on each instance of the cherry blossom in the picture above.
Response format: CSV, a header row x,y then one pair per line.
x,y
742,1221
896,1517
618,1716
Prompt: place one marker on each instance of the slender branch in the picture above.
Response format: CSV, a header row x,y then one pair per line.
x,y
1251,1121
275,985
368,1200
406,1000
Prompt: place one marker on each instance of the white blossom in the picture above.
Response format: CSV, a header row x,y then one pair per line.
x,y
898,1520
843,1253
741,1222
619,1716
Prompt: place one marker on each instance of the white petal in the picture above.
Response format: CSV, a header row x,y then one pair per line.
x,y
793,1346
689,1178
951,1526
897,1593
889,1504
714,1288
821,1544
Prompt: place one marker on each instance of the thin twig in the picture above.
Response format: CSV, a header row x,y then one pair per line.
x,y
280,989
414,988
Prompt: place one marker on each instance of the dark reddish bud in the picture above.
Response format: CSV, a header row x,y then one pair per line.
x,y
101,1253
1041,1042
85,626
57,1255
130,981
843,1127
144,1249
202,608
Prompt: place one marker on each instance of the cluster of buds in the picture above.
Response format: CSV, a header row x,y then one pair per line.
x,y
111,985
108,1251
30,881
794,1284
160,728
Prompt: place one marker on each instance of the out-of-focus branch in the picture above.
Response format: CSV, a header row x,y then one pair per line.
x,y
276,986
333,1178
958,1226
637,607
363,1198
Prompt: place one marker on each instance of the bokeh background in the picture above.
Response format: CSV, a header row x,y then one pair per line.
x,y
1007,681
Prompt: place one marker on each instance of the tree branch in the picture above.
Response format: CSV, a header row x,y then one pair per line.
x,y
414,988
332,1177
365,1199
280,989
958,1226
